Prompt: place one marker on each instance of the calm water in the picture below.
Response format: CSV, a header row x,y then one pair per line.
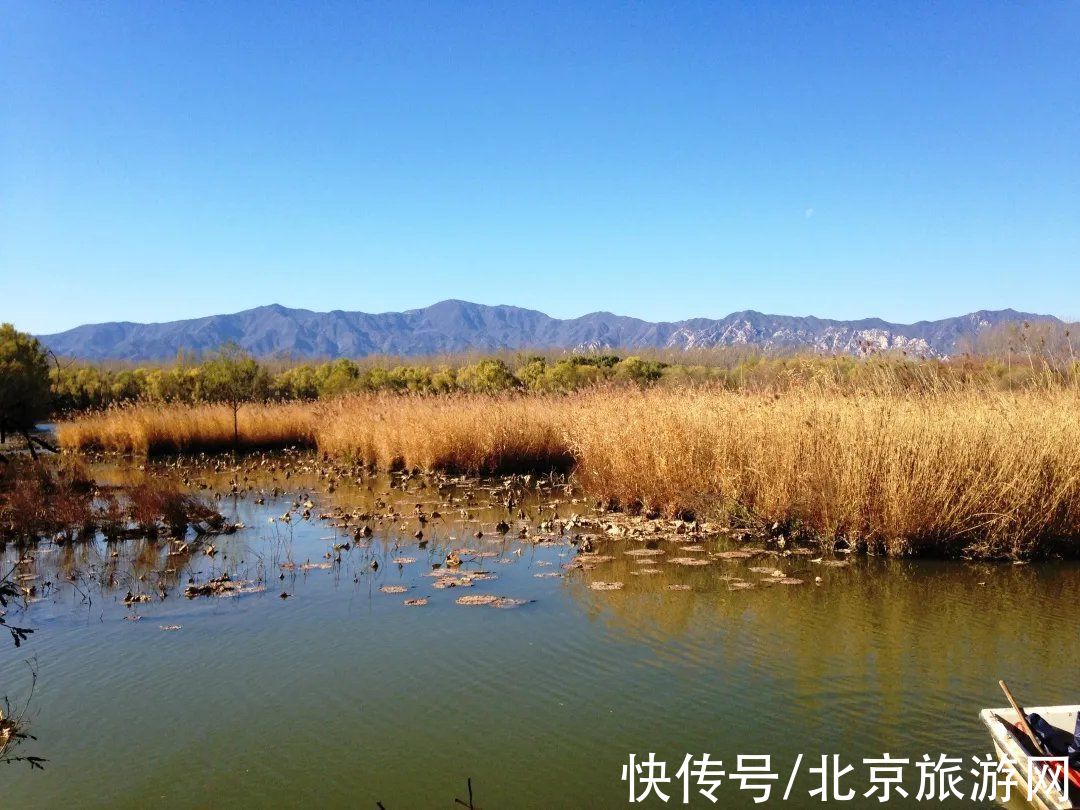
x,y
341,694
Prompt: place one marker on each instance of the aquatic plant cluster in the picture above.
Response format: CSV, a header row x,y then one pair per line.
x,y
60,501
952,470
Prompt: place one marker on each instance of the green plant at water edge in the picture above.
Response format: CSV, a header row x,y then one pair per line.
x,y
25,395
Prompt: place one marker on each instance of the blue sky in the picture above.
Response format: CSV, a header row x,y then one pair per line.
x,y
664,160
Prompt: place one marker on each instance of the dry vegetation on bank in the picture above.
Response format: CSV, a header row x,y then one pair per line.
x,y
989,474
926,468
158,429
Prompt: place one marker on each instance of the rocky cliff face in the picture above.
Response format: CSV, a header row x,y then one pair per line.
x,y
458,326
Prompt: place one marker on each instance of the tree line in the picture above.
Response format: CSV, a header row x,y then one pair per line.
x,y
231,373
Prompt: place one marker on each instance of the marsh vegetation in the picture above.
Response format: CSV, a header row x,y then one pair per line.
x,y
951,471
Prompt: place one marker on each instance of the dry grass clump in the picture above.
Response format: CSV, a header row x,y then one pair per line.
x,y
954,472
156,429
473,434
40,500
153,502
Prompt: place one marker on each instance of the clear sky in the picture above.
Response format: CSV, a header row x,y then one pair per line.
x,y
163,160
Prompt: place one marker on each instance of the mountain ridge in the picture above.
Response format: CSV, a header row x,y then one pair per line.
x,y
453,326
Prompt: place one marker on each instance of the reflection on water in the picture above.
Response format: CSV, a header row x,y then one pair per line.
x,y
341,693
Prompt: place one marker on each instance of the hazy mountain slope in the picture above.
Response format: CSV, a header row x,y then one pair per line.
x,y
457,326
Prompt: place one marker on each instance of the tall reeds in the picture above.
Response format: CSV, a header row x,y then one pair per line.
x,y
948,472
465,433
947,469
158,429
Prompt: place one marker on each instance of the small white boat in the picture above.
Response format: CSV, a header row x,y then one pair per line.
x,y
1013,748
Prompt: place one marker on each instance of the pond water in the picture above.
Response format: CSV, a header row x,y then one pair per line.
x,y
342,694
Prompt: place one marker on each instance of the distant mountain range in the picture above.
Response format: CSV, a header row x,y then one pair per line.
x,y
460,326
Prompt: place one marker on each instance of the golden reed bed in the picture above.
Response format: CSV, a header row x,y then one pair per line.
x,y
158,429
950,471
